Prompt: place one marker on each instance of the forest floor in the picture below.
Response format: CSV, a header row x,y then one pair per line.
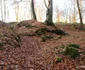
x,y
22,49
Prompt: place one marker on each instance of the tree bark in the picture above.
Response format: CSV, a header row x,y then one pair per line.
x,y
33,11
80,15
2,10
49,13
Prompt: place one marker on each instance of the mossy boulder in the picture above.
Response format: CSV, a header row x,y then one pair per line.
x,y
74,45
72,52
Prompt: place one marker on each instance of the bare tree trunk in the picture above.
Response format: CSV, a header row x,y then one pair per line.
x,y
2,10
80,15
74,19
33,11
49,13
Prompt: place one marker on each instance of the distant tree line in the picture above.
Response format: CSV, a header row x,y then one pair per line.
x,y
70,13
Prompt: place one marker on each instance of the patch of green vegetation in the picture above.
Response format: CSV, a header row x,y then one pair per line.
x,y
72,52
40,31
12,22
1,44
58,59
1,35
45,37
62,46
28,26
59,32
59,37
17,38
14,40
2,48
74,45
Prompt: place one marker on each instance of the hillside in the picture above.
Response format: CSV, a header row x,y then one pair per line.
x,y
31,45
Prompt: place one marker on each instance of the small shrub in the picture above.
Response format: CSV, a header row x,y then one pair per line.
x,y
58,59
74,45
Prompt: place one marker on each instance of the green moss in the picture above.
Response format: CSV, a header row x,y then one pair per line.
x,y
28,26
59,37
18,39
1,44
40,31
2,48
74,45
58,59
12,22
59,32
62,46
45,37
72,52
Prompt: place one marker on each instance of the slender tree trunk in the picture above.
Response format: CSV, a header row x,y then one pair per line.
x,y
74,19
2,10
80,15
33,11
49,13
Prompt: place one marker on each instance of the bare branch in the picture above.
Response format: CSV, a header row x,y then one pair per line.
x,y
45,4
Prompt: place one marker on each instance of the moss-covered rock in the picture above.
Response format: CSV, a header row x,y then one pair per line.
x,y
72,52
74,45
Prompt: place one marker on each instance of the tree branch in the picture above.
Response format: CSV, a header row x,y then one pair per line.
x,y
45,4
